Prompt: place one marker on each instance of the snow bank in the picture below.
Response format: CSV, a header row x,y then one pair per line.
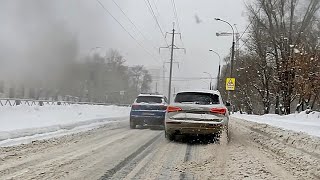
x,y
23,120
291,147
299,122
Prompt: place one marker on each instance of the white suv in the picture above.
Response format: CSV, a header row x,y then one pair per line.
x,y
195,113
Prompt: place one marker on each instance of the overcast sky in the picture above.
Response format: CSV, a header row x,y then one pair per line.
x,y
93,27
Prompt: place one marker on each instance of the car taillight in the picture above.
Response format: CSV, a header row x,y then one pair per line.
x,y
173,109
219,110
135,106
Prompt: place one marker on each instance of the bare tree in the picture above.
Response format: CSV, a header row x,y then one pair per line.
x,y
279,28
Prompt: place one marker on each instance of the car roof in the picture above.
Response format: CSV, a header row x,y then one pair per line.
x,y
201,91
151,95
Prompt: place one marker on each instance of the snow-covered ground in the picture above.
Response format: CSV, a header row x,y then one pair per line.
x,y
19,124
299,122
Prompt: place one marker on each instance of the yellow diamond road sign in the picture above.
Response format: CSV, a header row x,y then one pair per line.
x,y
230,84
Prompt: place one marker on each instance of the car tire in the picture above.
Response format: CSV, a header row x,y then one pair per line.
x,y
169,136
132,125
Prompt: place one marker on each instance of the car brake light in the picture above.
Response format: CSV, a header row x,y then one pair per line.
x,y
219,110
135,106
173,109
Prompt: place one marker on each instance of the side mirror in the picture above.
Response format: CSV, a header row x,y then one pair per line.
x,y
228,104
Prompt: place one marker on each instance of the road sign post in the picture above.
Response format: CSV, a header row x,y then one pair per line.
x,y
230,84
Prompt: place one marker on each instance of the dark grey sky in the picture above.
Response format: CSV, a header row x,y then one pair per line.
x,y
89,23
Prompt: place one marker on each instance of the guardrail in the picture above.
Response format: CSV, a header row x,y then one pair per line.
x,y
32,102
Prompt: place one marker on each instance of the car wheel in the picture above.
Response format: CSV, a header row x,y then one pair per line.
x,y
132,125
169,136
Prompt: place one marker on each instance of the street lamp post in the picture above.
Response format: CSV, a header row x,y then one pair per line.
x,y
233,44
218,78
232,52
210,80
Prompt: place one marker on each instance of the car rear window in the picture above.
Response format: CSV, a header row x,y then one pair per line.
x,y
149,99
197,98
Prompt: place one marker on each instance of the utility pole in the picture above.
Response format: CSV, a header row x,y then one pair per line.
x,y
171,61
163,77
232,59
172,47
164,74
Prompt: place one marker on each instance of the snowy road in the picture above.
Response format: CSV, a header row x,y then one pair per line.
x,y
118,152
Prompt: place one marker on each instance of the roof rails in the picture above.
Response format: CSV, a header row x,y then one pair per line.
x,y
151,93
200,90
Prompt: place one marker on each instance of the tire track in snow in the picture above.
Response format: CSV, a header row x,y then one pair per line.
x,y
187,157
119,166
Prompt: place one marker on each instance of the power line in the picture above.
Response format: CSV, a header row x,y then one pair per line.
x,y
245,32
250,23
155,18
108,12
156,8
132,23
244,43
176,16
240,38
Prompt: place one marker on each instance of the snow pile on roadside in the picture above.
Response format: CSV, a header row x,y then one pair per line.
x,y
296,147
23,120
299,122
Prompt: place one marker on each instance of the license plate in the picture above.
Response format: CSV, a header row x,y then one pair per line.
x,y
148,114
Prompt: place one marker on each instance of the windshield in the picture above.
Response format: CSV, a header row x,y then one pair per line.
x,y
149,99
197,98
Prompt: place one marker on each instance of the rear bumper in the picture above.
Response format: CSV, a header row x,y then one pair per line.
x,y
194,128
148,120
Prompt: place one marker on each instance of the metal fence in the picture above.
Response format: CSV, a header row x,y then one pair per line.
x,y
32,102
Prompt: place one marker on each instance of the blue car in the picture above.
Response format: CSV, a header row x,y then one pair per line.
x,y
148,110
